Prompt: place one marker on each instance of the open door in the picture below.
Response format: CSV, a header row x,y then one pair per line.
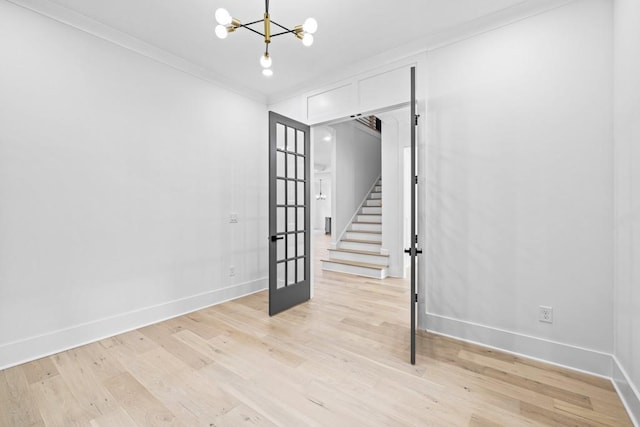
x,y
289,216
413,250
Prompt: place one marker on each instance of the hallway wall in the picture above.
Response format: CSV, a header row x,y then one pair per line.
x,y
118,175
357,165
627,202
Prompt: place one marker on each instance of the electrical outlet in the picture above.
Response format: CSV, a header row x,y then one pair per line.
x,y
545,314
232,271
233,218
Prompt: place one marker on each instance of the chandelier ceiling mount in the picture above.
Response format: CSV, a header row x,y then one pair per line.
x,y
227,24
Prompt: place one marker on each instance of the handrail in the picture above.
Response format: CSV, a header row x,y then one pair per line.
x,y
372,122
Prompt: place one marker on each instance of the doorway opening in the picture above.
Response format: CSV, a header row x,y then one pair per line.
x,y
358,167
383,205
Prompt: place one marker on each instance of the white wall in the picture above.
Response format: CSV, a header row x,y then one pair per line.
x,y
392,196
293,107
395,237
627,202
356,167
519,186
117,178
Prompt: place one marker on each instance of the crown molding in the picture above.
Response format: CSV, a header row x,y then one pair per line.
x,y
421,46
95,28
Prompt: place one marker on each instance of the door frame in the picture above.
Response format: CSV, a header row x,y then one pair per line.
x,y
337,115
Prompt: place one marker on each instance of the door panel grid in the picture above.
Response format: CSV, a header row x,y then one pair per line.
x,y
289,221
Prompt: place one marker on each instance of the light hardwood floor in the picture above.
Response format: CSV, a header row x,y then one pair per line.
x,y
338,360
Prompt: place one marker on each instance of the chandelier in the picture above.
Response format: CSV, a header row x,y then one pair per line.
x,y
321,196
228,24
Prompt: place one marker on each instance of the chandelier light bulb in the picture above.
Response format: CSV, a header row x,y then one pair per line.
x,y
307,39
265,60
310,26
221,31
223,17
227,24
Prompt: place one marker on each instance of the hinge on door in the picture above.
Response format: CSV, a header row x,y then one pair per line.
x,y
416,179
416,297
417,116
416,238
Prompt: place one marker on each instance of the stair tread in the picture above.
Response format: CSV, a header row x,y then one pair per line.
x,y
365,222
361,241
356,264
353,251
361,214
364,231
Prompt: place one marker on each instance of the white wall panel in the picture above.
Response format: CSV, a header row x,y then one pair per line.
x,y
331,103
381,90
627,202
520,170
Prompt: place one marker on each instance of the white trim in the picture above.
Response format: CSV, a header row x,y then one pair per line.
x,y
354,106
627,391
97,29
36,347
565,355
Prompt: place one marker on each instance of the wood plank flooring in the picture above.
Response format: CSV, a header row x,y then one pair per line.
x,y
338,360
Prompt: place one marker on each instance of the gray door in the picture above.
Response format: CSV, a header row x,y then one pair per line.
x,y
413,249
289,216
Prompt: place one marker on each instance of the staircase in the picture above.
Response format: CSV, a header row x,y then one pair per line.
x,y
358,252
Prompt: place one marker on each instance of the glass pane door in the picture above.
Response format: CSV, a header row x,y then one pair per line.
x,y
289,216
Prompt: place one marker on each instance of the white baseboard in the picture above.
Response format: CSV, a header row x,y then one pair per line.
x,y
565,355
628,393
32,348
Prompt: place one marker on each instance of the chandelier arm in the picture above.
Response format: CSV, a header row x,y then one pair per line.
x,y
252,23
251,29
284,32
284,28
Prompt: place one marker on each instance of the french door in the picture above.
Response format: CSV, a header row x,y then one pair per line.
x,y
289,216
413,250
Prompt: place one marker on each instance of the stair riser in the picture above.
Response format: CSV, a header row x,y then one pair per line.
x,y
351,269
369,218
376,196
372,210
362,236
378,188
371,247
364,258
373,202
366,227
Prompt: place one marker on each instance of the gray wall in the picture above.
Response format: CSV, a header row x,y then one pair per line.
x,y
357,165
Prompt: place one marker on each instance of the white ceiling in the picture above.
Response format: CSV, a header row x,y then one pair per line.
x,y
349,32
